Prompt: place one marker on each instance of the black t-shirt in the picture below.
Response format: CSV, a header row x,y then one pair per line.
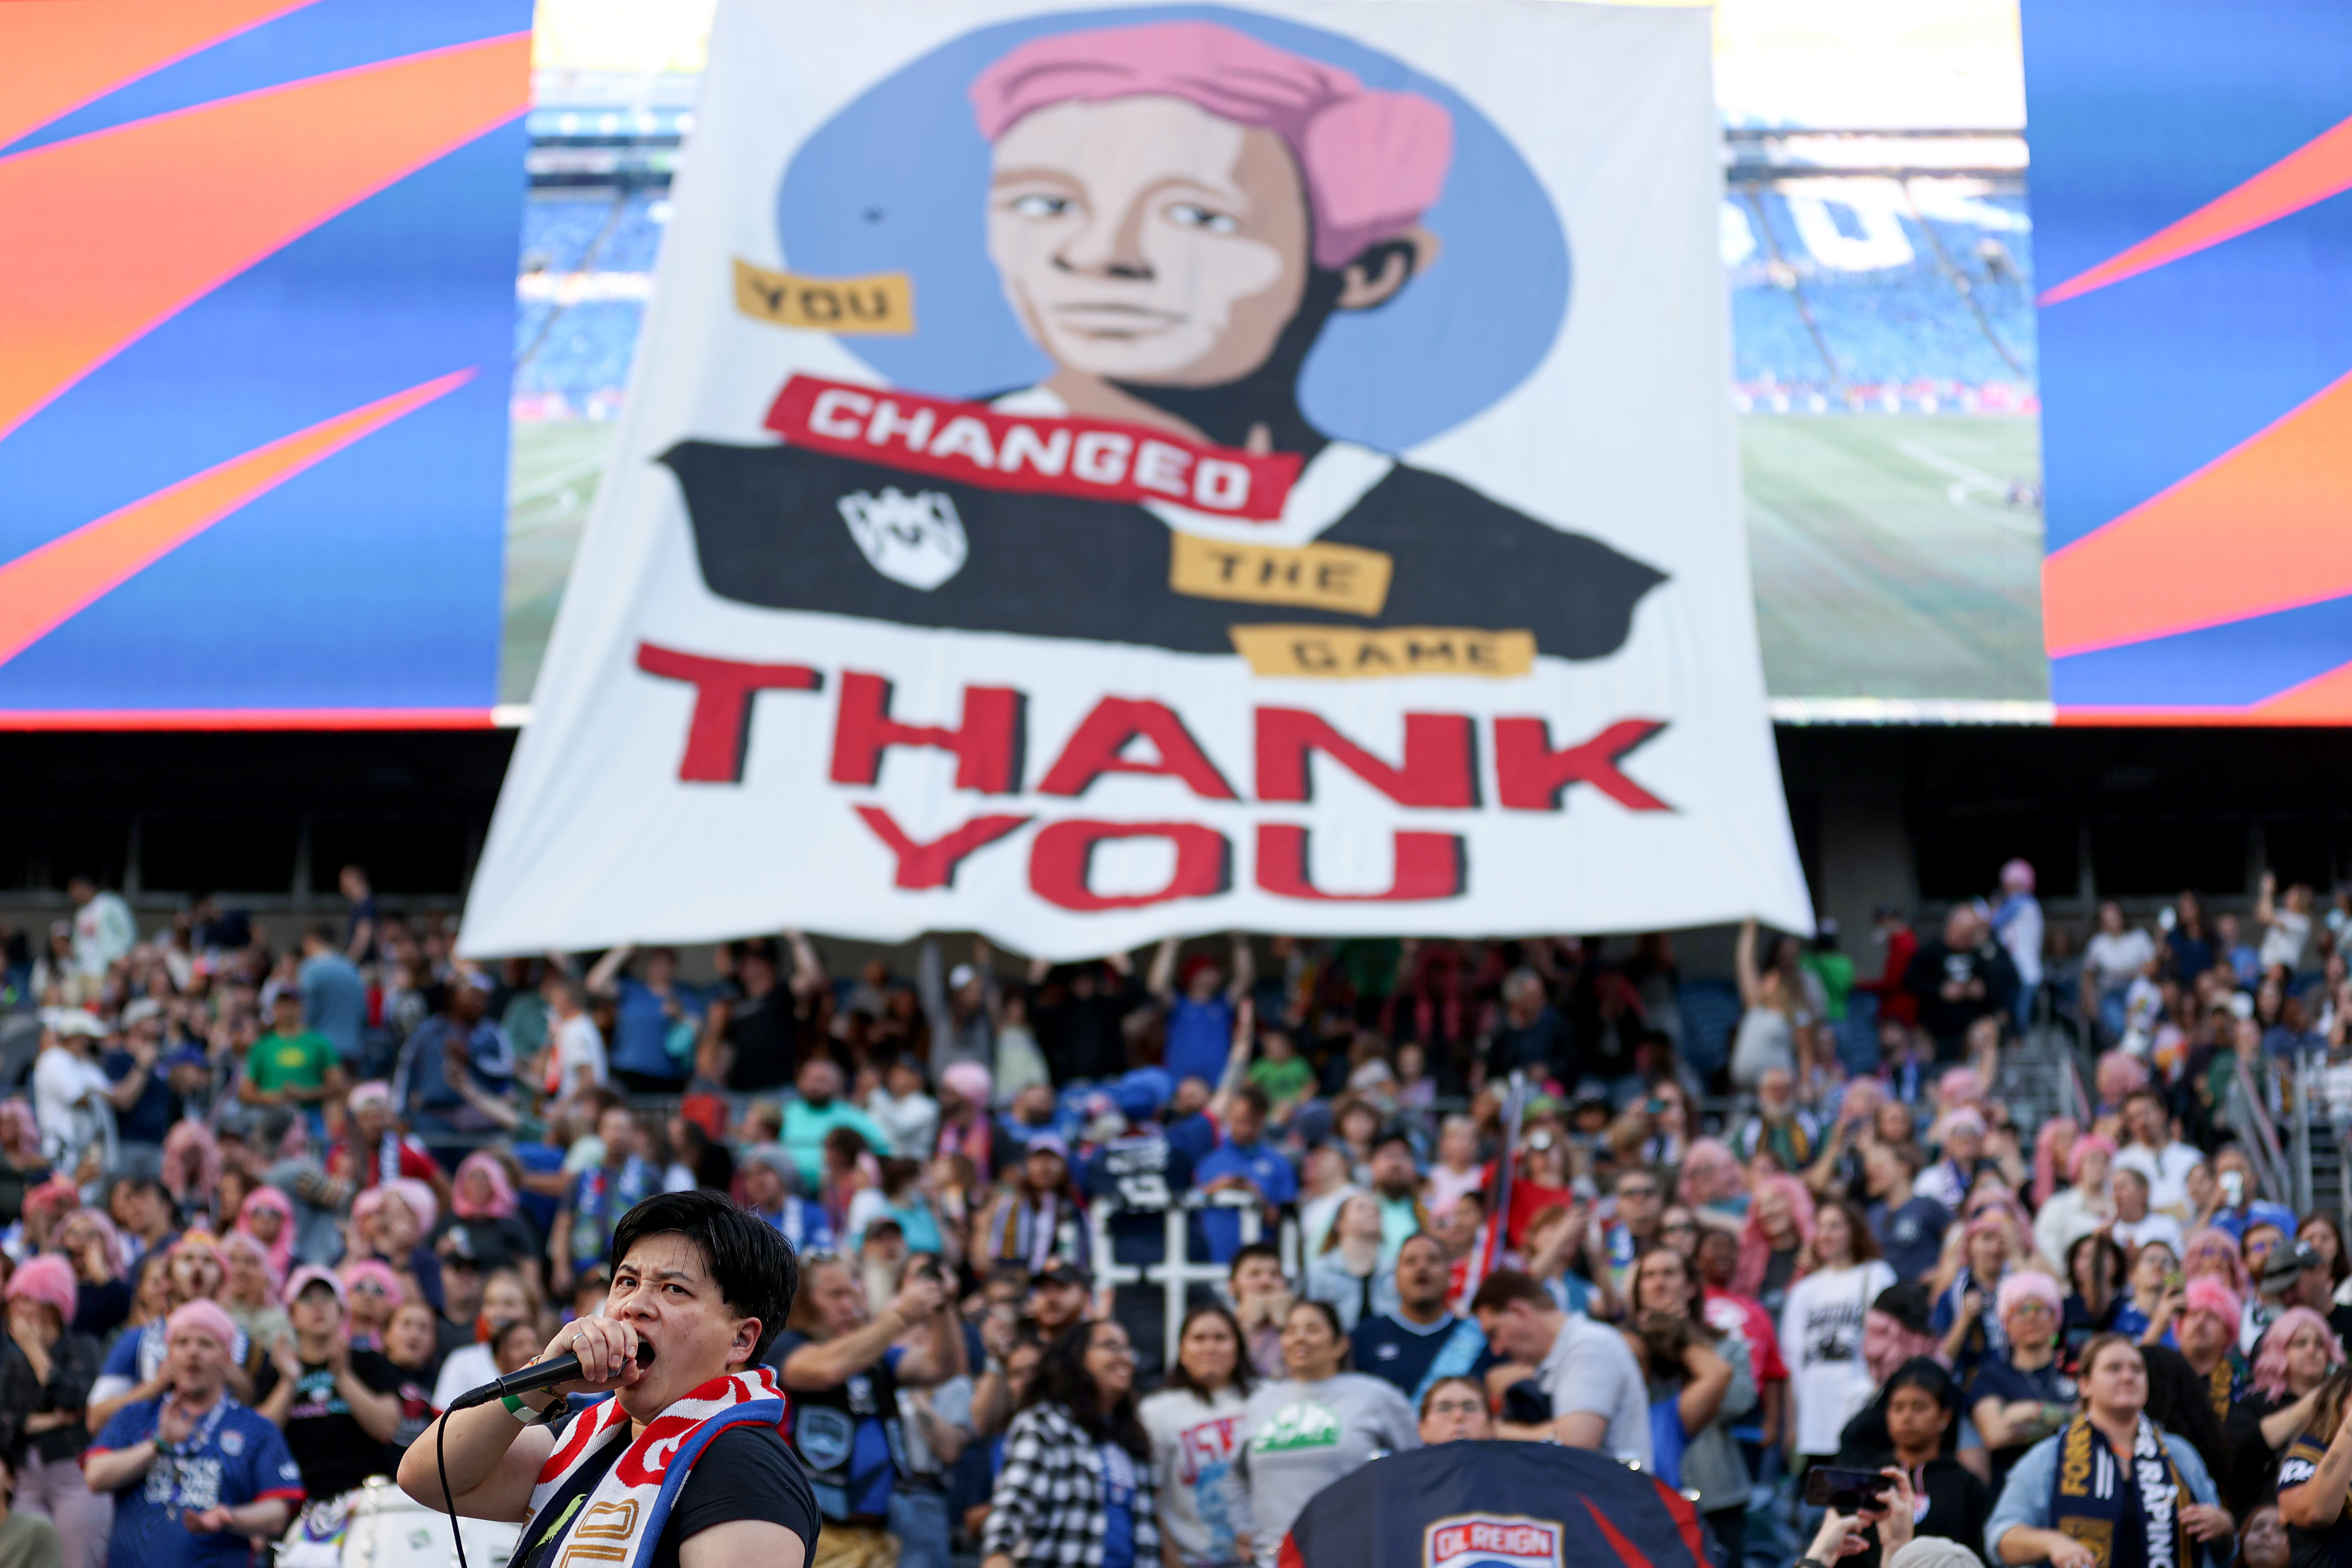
x,y
500,1243
745,1473
326,1439
2330,1547
761,1029
2047,1384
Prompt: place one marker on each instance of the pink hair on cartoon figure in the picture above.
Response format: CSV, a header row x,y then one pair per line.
x,y
1374,162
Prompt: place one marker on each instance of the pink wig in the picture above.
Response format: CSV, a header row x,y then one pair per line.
x,y
59,1196
49,1279
2083,1148
264,1196
2046,1155
245,1242
116,1255
1711,1172
2117,1074
17,1125
1960,1087
2207,1294
1755,1246
190,1143
379,1272
503,1194
2270,1356
2029,1284
2214,1251
408,1190
1374,162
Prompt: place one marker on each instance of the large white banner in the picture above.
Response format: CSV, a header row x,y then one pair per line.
x,y
1097,474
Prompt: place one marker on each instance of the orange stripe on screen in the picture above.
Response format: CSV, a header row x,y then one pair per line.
x,y
2314,171
58,55
88,271
2257,530
46,587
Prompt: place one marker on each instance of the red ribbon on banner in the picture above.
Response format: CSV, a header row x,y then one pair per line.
x,y
975,445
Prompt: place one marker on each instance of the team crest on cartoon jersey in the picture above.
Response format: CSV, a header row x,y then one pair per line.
x,y
1492,1540
915,539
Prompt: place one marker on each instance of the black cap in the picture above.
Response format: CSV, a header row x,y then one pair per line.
x,y
1062,1274
1907,1305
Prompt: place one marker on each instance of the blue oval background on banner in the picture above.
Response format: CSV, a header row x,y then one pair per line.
x,y
897,182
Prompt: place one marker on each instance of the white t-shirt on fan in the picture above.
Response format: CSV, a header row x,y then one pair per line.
x,y
1821,1338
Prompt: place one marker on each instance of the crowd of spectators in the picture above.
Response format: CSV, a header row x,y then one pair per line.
x,y
267,1209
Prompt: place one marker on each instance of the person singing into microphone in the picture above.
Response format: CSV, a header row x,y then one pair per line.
x,y
684,1467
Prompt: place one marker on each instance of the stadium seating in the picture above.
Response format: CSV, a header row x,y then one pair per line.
x,y
1899,334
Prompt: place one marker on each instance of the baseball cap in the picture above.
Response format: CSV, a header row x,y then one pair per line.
x,y
2286,1261
1906,1304
302,1278
1062,1273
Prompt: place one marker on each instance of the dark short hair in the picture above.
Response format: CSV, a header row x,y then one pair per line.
x,y
1928,1376
1429,1237
749,1258
1504,1286
322,931
1393,1134
1254,1249
1254,1097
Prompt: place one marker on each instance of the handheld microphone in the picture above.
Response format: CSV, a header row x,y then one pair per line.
x,y
538,1375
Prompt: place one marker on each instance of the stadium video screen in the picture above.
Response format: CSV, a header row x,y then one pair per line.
x,y
318,345
2189,160
256,294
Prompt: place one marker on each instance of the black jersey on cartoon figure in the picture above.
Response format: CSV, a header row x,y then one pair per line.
x,y
1175,210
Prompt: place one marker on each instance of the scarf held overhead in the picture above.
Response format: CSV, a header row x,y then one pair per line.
x,y
621,1522
2128,1515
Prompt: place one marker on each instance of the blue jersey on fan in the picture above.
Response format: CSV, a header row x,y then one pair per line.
x,y
234,1457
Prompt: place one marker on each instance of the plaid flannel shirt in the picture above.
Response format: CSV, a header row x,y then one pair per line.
x,y
1047,1511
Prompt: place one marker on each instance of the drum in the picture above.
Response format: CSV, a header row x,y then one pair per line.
x,y
380,1526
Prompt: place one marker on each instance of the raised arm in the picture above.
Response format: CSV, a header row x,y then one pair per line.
x,y
809,975
1245,969
1162,982
1743,961
1710,1382
816,1366
1237,1061
931,983
603,980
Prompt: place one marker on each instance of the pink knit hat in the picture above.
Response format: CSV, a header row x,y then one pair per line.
x,y
48,1278
1374,162
205,1317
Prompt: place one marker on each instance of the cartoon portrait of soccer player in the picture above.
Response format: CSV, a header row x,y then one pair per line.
x,y
1176,211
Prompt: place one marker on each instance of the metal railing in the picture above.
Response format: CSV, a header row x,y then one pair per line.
x,y
2249,1111
1176,1273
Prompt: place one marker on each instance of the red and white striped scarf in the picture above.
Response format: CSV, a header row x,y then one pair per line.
x,y
623,1518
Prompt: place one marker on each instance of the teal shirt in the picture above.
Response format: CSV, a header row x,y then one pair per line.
x,y
804,1131
1397,1221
